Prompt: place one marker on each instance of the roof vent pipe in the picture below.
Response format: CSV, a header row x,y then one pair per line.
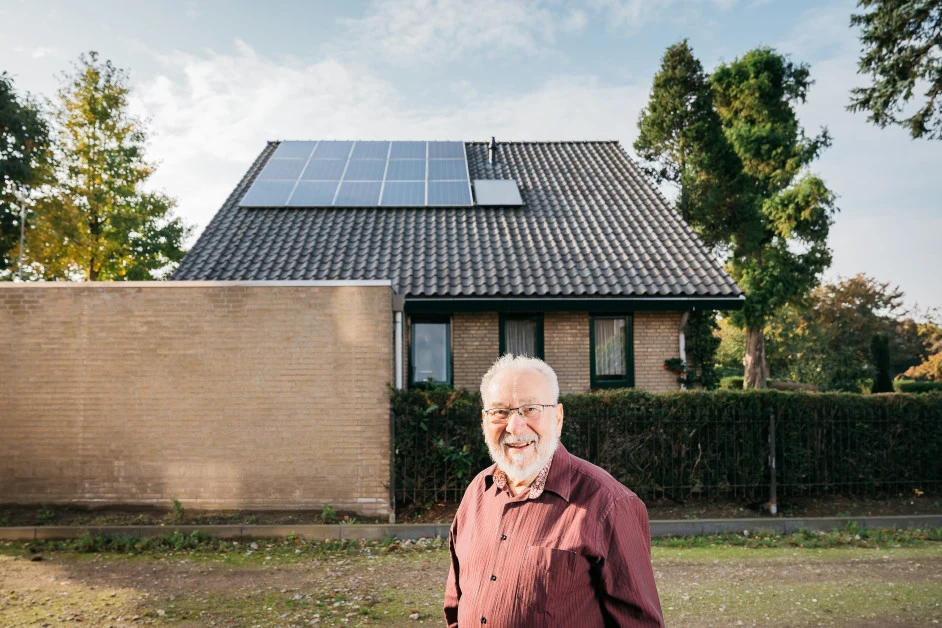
x,y
492,151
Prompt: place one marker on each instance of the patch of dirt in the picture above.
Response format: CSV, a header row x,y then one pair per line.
x,y
831,506
56,515
660,509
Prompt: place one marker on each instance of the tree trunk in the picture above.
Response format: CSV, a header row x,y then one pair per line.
x,y
757,370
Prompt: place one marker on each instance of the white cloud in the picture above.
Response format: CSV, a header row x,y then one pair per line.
x,y
38,52
433,31
634,14
211,114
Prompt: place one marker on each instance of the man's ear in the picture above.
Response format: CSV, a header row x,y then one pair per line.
x,y
559,419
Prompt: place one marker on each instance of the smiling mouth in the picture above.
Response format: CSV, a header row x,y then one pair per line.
x,y
519,445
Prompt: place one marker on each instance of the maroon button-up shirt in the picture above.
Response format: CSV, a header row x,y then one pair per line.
x,y
577,555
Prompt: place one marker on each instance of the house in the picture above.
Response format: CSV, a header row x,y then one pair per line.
x,y
561,250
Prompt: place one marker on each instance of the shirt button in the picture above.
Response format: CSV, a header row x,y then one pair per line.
x,y
503,537
484,620
493,577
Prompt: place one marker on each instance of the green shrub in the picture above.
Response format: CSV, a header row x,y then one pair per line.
x,y
910,386
692,443
178,512
732,383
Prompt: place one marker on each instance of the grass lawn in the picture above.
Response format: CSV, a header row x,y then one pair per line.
x,y
849,578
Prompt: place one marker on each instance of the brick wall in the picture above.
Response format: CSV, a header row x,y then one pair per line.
x,y
222,396
656,338
475,341
566,349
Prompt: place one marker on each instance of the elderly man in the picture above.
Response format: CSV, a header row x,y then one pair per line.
x,y
543,538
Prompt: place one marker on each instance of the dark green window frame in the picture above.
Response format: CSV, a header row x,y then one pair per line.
x,y
435,320
628,381
537,318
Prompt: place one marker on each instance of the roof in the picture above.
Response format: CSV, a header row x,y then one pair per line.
x,y
591,226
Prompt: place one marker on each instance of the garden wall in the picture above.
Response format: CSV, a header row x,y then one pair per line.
x,y
223,395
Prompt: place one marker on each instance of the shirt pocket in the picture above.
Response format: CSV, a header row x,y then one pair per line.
x,y
546,576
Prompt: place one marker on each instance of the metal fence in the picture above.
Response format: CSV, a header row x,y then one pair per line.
x,y
756,447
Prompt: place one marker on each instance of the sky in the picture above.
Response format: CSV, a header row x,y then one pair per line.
x,y
216,79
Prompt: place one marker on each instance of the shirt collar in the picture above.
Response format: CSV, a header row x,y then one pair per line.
x,y
554,477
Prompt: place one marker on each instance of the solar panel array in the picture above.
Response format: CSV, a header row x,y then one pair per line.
x,y
363,174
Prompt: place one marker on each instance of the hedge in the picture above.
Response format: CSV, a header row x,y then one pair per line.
x,y
911,386
692,443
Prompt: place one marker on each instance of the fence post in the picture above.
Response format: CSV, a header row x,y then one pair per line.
x,y
773,489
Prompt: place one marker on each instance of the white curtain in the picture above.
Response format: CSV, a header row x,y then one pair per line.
x,y
520,337
431,352
610,347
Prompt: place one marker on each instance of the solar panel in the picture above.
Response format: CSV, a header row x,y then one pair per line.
x,y
364,174
446,150
407,150
313,194
448,193
300,150
502,192
333,150
406,170
365,170
447,170
282,169
403,194
324,170
358,194
268,194
370,150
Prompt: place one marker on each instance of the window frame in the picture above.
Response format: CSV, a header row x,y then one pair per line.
x,y
629,380
449,363
537,318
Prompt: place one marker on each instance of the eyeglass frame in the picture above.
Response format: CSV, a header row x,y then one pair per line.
x,y
519,410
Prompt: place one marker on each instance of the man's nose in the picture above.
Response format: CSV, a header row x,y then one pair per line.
x,y
516,424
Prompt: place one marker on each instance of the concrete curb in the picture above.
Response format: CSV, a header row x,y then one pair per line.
x,y
677,527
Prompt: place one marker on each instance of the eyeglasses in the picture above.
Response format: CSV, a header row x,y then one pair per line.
x,y
530,411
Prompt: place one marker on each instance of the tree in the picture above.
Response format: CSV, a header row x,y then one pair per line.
x,y
681,138
755,97
99,223
880,356
827,339
902,51
24,144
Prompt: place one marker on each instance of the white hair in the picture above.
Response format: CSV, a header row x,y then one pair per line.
x,y
509,361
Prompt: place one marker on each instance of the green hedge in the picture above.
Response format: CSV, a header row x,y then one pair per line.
x,y
912,386
692,443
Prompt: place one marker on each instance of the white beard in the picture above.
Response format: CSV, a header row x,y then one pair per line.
x,y
512,465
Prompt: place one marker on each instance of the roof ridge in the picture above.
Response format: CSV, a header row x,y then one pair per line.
x,y
465,141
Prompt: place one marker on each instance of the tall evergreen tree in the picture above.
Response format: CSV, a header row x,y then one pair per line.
x,y
681,139
100,223
902,52
24,144
755,97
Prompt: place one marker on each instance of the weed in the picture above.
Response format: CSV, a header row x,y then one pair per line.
x,y
328,514
251,519
178,513
45,515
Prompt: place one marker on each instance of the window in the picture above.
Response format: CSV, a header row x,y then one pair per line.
x,y
430,356
612,362
522,334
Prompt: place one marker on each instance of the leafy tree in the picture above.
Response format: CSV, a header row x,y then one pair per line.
x,y
99,223
931,369
702,345
755,97
827,339
24,144
681,139
902,52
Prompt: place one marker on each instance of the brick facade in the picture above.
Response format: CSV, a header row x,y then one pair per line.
x,y
475,342
222,396
566,348
475,345
657,338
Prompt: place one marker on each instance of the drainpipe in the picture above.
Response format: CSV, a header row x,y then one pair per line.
x,y
682,342
398,301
